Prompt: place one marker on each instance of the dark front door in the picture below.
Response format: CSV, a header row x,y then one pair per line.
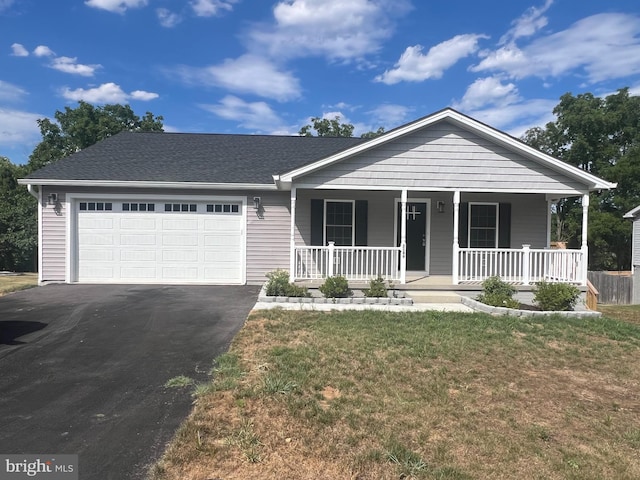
x,y
416,234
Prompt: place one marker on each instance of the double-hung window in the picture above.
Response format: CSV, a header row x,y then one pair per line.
x,y
483,225
340,222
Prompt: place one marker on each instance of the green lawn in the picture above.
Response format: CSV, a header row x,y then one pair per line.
x,y
12,283
372,395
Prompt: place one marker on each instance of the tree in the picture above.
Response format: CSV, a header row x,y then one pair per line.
x,y
80,127
373,134
74,129
600,136
327,128
18,220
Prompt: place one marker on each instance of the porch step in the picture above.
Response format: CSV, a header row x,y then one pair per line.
x,y
433,296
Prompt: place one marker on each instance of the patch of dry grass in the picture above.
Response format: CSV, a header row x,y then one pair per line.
x,y
21,281
626,313
369,395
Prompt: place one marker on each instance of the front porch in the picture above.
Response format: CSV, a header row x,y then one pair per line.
x,y
524,266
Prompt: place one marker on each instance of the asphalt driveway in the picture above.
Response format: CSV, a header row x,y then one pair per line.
x,y
83,368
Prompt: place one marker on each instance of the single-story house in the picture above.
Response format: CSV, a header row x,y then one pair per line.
x,y
443,195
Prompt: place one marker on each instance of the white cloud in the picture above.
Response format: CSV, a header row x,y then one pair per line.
x,y
18,50
143,95
43,51
517,118
167,18
336,29
10,92
604,46
18,127
106,93
5,4
246,74
414,66
389,115
528,24
70,65
487,91
116,6
210,8
250,115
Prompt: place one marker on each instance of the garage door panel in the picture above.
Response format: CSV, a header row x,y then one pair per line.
x,y
180,255
176,246
99,255
95,239
180,224
138,239
97,272
138,255
95,222
179,272
222,257
183,240
230,241
138,273
138,223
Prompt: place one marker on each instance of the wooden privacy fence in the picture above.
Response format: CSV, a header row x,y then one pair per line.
x,y
613,288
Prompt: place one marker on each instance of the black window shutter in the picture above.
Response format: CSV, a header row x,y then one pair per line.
x,y
317,222
463,225
504,226
361,222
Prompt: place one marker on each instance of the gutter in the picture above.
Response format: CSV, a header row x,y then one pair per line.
x,y
147,184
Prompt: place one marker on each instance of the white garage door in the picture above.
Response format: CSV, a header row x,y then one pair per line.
x,y
168,241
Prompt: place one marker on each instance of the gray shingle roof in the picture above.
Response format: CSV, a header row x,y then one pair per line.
x,y
193,157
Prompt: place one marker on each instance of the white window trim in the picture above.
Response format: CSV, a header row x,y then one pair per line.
x,y
497,237
353,220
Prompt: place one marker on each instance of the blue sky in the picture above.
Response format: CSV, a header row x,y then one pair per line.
x,y
267,66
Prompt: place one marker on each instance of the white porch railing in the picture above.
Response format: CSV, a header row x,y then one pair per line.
x,y
521,266
353,263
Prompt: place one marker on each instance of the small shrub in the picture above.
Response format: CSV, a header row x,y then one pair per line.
x,y
377,288
335,287
556,296
497,293
279,285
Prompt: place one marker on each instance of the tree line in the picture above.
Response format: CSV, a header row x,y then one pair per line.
x,y
598,135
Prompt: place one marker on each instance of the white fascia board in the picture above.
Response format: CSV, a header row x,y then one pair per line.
x,y
632,213
146,184
591,181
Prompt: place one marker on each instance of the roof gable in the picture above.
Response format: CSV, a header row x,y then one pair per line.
x,y
466,123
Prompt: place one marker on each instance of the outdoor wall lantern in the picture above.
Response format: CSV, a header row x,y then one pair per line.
x,y
257,201
52,198
440,206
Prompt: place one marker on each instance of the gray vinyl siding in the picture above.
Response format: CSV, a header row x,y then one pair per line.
x,y
268,236
636,243
443,157
54,238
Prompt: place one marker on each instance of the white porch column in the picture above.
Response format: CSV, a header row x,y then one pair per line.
x,y
456,233
549,207
403,236
585,248
292,240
